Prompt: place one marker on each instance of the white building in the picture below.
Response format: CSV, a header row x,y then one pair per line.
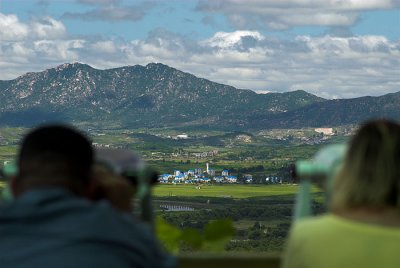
x,y
182,136
326,131
231,179
211,172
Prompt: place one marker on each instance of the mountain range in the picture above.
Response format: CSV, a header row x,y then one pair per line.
x,y
157,95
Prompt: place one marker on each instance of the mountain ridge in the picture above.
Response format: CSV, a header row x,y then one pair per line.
x,y
156,95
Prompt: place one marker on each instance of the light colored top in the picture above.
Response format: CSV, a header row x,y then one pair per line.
x,y
335,242
53,228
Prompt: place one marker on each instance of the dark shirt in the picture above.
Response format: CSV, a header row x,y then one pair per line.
x,y
53,228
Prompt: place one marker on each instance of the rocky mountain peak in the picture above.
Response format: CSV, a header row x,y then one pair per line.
x,y
157,95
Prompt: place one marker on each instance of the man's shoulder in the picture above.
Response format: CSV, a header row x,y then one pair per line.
x,y
69,226
124,224
64,212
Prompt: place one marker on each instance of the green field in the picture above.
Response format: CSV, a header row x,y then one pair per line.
x,y
231,191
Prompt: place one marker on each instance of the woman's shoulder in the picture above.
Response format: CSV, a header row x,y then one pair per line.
x,y
315,221
313,224
331,223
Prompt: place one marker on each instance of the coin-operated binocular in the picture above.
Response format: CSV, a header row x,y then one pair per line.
x,y
9,169
128,164
320,171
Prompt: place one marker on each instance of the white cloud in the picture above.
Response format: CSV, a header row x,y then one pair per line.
x,y
99,2
60,50
111,10
283,14
108,13
104,47
48,28
226,40
328,66
321,19
11,29
21,51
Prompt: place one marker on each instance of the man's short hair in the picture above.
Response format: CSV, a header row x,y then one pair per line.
x,y
55,152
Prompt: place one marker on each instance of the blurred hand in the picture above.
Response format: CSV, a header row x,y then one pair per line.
x,y
114,188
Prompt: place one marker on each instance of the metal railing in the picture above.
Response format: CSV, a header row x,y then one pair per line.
x,y
231,260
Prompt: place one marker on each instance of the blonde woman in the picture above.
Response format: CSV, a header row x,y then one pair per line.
x,y
363,226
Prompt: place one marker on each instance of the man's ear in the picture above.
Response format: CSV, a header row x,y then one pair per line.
x,y
93,190
14,186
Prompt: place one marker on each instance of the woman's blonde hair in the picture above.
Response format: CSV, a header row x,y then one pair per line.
x,y
370,175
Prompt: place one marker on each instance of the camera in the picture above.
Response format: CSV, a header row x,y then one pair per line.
x,y
9,169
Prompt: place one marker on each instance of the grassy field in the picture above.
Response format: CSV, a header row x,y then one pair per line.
x,y
232,191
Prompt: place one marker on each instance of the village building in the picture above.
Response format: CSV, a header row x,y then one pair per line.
x,y
248,178
326,131
231,179
164,178
182,136
225,173
219,179
211,172
198,171
179,179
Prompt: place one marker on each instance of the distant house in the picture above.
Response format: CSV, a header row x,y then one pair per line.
x,y
190,172
248,178
198,170
197,179
199,176
326,131
225,173
231,179
205,180
182,136
219,179
164,178
180,176
178,179
211,172
177,172
167,175
273,180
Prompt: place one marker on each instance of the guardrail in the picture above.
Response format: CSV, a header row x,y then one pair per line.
x,y
231,260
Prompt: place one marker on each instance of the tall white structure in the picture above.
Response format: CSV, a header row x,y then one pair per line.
x,y
207,168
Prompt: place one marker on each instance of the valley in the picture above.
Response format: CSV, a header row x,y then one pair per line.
x,y
182,125
260,211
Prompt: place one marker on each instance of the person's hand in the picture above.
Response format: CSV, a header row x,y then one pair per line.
x,y
114,188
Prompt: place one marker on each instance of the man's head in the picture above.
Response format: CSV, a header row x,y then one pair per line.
x,y
54,156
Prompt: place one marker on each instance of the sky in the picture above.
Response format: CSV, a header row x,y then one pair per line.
x,y
330,48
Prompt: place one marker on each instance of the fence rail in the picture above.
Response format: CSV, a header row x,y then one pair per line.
x,y
229,260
